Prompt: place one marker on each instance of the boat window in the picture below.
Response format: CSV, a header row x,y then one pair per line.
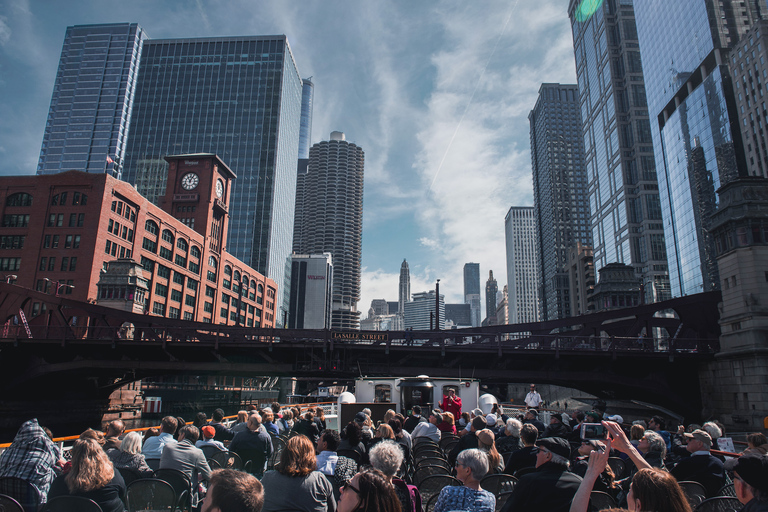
x,y
383,393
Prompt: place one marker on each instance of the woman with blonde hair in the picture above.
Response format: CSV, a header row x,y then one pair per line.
x,y
486,442
448,425
92,476
129,455
295,484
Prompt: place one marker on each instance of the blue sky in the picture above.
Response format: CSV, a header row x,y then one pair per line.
x,y
437,93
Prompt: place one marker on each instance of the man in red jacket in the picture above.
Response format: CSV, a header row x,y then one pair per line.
x,y
452,404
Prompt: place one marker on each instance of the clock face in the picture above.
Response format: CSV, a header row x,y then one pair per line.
x,y
219,188
190,181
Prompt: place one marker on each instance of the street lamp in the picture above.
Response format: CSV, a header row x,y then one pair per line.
x,y
59,285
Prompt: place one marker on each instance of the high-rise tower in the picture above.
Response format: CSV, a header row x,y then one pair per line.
x,y
332,220
472,292
559,191
621,172
404,290
305,140
90,112
491,289
522,265
697,134
237,97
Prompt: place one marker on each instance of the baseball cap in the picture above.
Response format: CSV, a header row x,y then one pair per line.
x,y
701,435
751,468
208,431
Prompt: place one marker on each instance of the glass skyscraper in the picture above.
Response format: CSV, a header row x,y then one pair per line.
x,y
237,97
559,192
623,192
472,292
695,125
90,112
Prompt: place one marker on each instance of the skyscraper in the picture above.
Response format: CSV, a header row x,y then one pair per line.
x,y
418,312
522,265
491,289
305,140
696,132
90,113
621,171
237,97
472,291
404,290
332,220
559,191
310,296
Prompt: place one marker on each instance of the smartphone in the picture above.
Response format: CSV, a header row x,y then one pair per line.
x,y
592,431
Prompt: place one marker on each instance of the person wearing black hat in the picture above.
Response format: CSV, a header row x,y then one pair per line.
x,y
556,427
551,487
750,481
532,417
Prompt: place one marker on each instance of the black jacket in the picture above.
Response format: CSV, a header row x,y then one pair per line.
x,y
550,488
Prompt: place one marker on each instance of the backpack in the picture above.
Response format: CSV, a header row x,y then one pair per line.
x,y
412,492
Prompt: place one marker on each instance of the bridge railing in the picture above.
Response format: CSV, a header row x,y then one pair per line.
x,y
222,335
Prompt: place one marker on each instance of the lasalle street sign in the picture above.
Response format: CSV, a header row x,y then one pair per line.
x,y
356,335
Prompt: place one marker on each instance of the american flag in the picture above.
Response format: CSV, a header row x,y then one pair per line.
x,y
109,160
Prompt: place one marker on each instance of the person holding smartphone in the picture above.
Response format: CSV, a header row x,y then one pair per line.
x,y
452,403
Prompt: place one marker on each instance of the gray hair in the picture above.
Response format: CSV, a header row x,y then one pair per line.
x,y
387,457
131,443
513,427
476,460
713,430
656,443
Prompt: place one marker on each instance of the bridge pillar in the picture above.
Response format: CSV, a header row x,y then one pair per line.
x,y
735,385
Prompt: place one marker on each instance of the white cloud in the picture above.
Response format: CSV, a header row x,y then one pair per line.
x,y
5,31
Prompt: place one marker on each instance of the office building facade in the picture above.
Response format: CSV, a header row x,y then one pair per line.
x,y
332,220
472,292
421,309
311,287
581,279
559,192
697,137
404,287
68,233
238,97
624,205
90,113
522,265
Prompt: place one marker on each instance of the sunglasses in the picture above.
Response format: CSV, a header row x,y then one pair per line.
x,y
348,485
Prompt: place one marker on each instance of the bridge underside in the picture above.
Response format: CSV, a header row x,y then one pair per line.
x,y
77,355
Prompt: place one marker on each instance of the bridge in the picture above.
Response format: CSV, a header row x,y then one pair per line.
x,y
67,360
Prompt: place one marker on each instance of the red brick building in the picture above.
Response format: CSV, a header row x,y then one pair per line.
x,y
57,233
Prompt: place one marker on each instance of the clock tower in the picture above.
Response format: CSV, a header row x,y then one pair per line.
x,y
197,193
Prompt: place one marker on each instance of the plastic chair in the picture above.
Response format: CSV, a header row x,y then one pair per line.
x,y
228,460
428,453
8,504
727,490
447,439
501,499
601,500
254,461
498,484
695,493
523,471
423,472
449,446
618,466
719,504
71,504
150,494
129,475
432,485
430,506
210,450
432,461
181,486
21,491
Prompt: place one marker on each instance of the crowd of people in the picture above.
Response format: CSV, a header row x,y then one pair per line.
x,y
368,465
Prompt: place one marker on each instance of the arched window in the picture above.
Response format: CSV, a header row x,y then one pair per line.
x,y
212,271
261,288
237,275
151,227
227,270
195,252
212,262
168,236
182,244
19,199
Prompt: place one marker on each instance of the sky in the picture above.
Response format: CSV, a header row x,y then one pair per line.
x,y
437,93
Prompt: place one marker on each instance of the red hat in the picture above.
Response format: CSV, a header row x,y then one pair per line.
x,y
208,432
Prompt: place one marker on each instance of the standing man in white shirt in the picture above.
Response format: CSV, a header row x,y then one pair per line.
x,y
533,398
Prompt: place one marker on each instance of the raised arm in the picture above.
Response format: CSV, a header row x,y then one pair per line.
x,y
597,462
621,443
